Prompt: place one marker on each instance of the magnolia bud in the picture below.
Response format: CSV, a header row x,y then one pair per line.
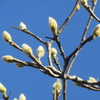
x,y
57,86
78,7
53,25
19,65
3,89
22,97
22,25
83,2
8,59
40,52
93,79
27,49
96,31
15,99
6,36
53,52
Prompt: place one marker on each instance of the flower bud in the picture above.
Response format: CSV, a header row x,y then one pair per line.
x,y
19,65
8,59
22,25
6,36
27,49
22,97
2,89
15,99
40,52
96,31
53,52
93,79
78,7
57,86
84,2
53,25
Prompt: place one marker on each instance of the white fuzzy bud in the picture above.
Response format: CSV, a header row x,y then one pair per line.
x,y
84,2
8,59
22,97
22,25
15,99
96,31
2,89
57,86
6,36
40,52
27,49
93,79
53,25
53,52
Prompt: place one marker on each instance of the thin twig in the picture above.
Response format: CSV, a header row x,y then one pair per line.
x,y
30,33
69,17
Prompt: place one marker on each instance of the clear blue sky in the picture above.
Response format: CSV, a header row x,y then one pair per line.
x,y
35,13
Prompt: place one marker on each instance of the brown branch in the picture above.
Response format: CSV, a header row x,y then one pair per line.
x,y
30,33
69,17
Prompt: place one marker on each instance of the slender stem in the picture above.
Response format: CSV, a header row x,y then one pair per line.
x,y
69,17
64,89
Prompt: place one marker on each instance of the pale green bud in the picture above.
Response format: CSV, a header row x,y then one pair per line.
x,y
53,52
40,51
19,65
53,25
22,97
2,89
22,25
27,49
84,2
96,31
6,36
57,86
8,59
93,79
15,99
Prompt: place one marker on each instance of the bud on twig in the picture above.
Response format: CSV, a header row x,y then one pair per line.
x,y
40,52
22,97
57,86
22,25
2,89
27,49
8,59
84,2
53,52
93,79
53,25
15,99
6,36
96,31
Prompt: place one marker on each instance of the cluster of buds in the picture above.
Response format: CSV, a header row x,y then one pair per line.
x,y
3,89
40,52
53,25
57,86
7,37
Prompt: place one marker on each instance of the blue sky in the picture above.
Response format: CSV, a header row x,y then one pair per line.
x,y
35,13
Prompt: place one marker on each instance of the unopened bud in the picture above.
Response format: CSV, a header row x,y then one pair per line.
x,y
93,79
40,51
84,2
57,86
22,25
27,49
22,97
78,7
6,36
96,31
53,25
8,59
15,99
2,89
53,52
